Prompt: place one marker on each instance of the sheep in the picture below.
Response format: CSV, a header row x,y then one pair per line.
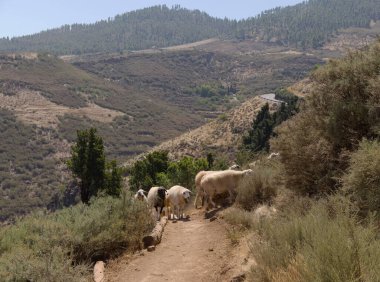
x,y
273,155
198,179
177,199
234,167
140,196
156,199
223,181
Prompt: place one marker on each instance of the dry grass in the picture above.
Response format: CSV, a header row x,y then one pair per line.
x,y
33,108
325,243
258,188
220,135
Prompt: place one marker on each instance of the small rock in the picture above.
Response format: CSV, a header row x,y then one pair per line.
x,y
151,248
210,249
238,278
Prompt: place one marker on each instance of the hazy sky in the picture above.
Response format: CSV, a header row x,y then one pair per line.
x,y
20,17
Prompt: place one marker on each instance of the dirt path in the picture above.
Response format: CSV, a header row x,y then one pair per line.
x,y
190,250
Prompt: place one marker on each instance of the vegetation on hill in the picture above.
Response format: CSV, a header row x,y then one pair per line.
x,y
257,138
62,246
28,174
156,97
341,110
88,163
156,27
324,222
308,24
156,169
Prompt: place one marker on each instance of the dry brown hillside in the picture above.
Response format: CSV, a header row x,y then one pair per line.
x,y
221,135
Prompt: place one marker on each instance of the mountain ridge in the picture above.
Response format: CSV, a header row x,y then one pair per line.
x,y
160,26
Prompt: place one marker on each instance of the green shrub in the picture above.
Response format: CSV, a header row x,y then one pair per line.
x,y
60,246
258,188
143,173
183,171
362,181
341,110
328,243
156,169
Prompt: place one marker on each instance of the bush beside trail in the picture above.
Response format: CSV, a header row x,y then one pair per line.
x,y
362,181
62,245
324,223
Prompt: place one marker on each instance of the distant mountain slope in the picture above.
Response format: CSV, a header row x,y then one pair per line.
x,y
304,25
221,136
156,26
310,23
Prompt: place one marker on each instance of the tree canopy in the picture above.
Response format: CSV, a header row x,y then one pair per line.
x,y
88,163
308,24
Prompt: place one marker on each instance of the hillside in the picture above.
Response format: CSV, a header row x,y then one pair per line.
x,y
305,25
310,23
220,136
309,214
157,26
135,100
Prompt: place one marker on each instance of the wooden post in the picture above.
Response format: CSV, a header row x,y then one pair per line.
x,y
154,238
99,271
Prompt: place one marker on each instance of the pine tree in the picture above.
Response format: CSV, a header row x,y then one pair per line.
x,y
113,179
258,137
88,163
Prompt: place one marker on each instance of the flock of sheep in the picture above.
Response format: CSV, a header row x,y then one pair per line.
x,y
208,184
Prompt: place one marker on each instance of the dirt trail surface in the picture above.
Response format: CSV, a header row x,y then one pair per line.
x,y
191,250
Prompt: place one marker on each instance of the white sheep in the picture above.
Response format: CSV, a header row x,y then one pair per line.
x,y
273,155
221,182
140,196
198,179
156,199
176,200
234,167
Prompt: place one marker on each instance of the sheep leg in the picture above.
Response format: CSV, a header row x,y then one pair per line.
x,y
157,213
161,208
204,195
211,201
196,200
168,211
230,199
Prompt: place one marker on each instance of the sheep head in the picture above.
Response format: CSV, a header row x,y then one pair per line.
x,y
186,195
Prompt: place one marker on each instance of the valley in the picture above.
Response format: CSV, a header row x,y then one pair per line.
x,y
279,112
136,100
